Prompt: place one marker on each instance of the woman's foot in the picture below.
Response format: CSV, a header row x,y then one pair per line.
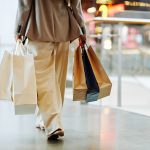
x,y
56,134
40,126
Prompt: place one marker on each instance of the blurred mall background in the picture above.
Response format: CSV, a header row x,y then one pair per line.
x,y
119,32
129,68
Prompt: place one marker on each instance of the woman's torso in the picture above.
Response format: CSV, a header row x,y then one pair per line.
x,y
50,21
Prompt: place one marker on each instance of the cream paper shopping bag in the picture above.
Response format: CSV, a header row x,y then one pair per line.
x,y
79,81
24,81
100,74
6,76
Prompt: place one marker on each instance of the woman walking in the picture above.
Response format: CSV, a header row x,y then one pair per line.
x,y
50,26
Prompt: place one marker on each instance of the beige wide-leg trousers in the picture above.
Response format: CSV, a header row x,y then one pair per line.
x,y
51,67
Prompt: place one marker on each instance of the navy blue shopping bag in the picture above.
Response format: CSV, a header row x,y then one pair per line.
x,y
92,85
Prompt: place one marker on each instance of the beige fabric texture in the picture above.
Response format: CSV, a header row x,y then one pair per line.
x,y
50,20
51,68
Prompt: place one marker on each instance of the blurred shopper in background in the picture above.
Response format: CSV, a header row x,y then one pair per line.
x,y
50,26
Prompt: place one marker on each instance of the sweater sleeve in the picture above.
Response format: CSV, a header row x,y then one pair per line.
x,y
24,7
77,11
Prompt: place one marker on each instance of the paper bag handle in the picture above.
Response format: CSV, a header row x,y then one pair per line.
x,y
21,49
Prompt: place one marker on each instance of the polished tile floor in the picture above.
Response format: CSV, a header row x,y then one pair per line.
x,y
87,127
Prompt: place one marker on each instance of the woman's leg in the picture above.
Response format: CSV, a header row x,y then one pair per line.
x,y
39,121
51,66
61,66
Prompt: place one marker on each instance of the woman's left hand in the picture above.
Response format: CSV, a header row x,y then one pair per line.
x,y
82,39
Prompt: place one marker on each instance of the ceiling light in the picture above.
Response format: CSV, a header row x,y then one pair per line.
x,y
91,10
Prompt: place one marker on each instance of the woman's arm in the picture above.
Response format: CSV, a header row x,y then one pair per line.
x,y
23,12
77,10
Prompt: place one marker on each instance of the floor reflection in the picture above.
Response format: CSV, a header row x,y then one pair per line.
x,y
87,127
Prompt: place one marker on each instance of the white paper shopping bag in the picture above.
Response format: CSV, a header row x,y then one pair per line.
x,y
5,76
24,81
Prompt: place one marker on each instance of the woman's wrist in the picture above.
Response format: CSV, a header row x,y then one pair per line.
x,y
82,39
83,30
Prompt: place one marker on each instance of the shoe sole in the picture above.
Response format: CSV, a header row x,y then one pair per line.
x,y
55,135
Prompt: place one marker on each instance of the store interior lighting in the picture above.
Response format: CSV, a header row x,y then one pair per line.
x,y
92,8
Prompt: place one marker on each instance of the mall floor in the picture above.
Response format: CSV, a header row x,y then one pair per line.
x,y
87,127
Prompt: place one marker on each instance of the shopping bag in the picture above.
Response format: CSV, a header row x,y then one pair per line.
x,y
79,81
85,86
92,85
102,78
24,81
83,74
6,76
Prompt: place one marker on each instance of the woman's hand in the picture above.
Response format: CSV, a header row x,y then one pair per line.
x,y
82,39
18,37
